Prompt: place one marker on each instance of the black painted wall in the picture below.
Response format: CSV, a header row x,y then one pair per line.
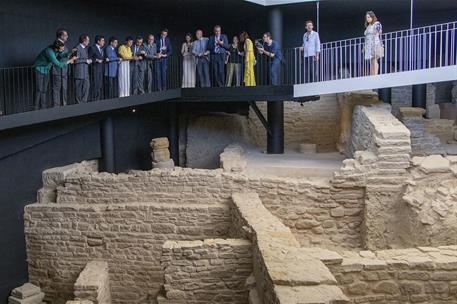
x,y
27,26
26,152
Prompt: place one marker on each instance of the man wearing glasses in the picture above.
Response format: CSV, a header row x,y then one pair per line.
x,y
311,49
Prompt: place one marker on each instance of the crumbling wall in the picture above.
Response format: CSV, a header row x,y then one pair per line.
x,y
209,271
62,238
423,275
317,212
208,135
431,200
283,272
382,169
93,283
315,122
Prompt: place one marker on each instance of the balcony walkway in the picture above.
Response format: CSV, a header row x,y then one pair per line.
x,y
399,79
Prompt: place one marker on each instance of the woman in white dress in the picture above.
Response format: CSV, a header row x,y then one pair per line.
x,y
374,49
188,63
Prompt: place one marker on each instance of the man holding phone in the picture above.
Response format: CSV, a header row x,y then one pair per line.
x,y
218,46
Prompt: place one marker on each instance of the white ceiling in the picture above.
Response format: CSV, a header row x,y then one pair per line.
x,y
277,2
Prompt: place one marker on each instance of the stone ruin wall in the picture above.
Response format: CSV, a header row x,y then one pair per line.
x,y
314,122
209,271
125,219
403,276
317,212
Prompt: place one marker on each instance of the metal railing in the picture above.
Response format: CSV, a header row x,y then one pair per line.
x,y
407,50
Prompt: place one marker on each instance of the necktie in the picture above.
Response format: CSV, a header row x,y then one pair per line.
x,y
217,48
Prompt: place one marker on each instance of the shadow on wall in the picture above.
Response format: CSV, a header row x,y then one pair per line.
x,y
208,135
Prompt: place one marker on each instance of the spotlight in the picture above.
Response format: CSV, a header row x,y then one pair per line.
x,y
133,110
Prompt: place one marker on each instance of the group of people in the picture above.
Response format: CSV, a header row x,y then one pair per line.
x,y
216,53
139,66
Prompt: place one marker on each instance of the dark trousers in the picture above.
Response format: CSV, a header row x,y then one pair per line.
x,y
310,70
82,90
42,82
97,84
203,73
275,69
110,87
161,73
138,78
218,63
150,75
59,88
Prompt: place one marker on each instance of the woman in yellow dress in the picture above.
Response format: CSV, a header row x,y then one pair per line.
x,y
249,76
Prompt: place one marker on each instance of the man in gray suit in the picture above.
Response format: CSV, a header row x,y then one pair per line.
x,y
60,75
138,66
201,53
150,47
82,81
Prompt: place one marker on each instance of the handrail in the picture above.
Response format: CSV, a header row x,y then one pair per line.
x,y
405,50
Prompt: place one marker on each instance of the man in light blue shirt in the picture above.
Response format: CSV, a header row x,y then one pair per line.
x,y
201,53
311,50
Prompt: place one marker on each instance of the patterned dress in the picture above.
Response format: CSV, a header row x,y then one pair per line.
x,y
249,76
373,44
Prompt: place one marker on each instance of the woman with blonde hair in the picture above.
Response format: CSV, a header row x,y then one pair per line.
x,y
249,76
374,49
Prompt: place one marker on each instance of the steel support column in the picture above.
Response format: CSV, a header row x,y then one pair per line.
x,y
275,138
173,131
276,26
107,143
420,96
385,94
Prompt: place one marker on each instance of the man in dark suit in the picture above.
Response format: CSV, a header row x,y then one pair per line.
x,y
218,46
138,66
60,74
97,55
111,68
82,81
150,47
164,50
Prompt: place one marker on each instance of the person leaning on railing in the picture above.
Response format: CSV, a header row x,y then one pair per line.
x,y
42,65
270,48
111,67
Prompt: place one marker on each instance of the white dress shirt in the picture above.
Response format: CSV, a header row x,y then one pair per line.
x,y
311,44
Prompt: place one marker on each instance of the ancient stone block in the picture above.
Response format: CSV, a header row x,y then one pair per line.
x,y
25,291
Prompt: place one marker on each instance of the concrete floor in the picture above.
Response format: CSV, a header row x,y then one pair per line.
x,y
294,164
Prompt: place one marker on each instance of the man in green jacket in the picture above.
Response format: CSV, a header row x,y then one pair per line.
x,y
43,63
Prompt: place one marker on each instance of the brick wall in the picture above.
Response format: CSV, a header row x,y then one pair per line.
x,y
62,238
93,283
315,122
317,212
423,275
209,271
284,273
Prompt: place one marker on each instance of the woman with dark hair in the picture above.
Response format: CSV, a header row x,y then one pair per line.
x,y
249,76
126,55
374,49
188,63
234,62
